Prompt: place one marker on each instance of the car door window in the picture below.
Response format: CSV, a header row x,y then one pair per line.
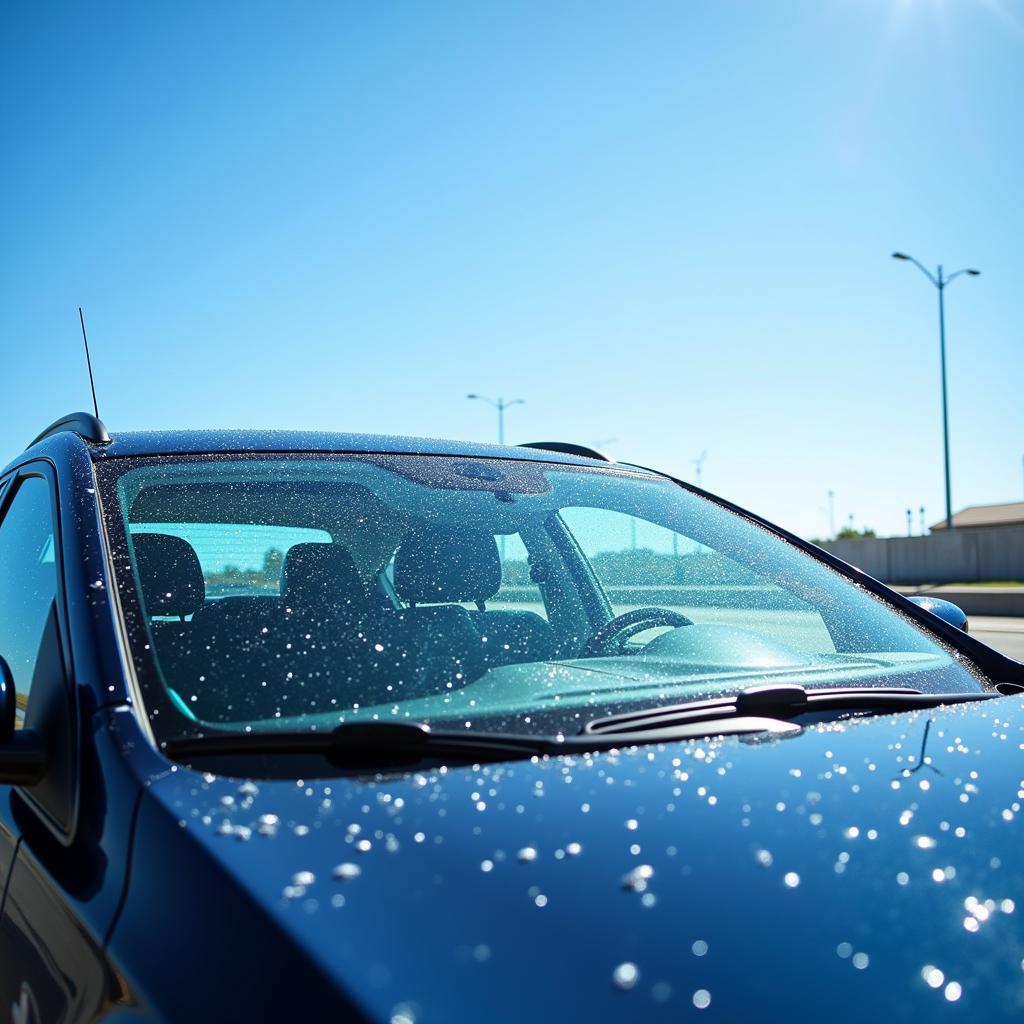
x,y
640,564
28,581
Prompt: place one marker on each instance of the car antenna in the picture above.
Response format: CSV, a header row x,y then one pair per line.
x,y
88,363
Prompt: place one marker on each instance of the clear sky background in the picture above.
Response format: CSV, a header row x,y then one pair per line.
x,y
667,224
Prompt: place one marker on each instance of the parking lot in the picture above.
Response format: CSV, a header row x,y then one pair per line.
x,y
1004,634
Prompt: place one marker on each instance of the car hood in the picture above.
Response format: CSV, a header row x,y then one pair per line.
x,y
866,868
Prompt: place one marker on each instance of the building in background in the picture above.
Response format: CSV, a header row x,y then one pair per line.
x,y
973,517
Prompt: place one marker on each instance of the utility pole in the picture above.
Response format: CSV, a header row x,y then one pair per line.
x,y
921,510
910,527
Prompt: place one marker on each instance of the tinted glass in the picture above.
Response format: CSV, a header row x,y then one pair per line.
x,y
238,559
28,582
640,564
472,593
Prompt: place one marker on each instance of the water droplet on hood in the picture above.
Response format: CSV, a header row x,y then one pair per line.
x,y
625,976
637,879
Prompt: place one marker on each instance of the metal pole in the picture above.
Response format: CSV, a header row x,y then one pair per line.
x,y
945,409
910,528
501,421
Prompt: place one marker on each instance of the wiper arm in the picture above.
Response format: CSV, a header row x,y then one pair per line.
x,y
777,702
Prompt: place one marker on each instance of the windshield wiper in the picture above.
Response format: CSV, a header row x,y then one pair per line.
x,y
780,703
761,709
361,743
364,744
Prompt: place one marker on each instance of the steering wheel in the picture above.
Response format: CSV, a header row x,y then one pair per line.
x,y
615,633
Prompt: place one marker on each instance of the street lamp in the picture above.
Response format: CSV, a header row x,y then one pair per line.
x,y
940,283
501,405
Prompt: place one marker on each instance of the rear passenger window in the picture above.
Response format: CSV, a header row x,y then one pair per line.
x,y
238,559
28,582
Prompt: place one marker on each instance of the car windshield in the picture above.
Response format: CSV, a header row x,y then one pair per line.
x,y
299,592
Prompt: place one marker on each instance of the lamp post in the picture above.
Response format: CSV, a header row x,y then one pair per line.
x,y
941,283
501,405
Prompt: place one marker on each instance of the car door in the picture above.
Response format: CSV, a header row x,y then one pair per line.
x,y
51,967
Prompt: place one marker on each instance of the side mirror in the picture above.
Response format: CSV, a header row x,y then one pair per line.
x,y
22,752
946,610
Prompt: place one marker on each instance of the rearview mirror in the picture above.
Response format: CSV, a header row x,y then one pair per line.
x,y
22,752
946,610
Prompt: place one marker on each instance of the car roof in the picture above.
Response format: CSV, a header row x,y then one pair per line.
x,y
165,442
102,445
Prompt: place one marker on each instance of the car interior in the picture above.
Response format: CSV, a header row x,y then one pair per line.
x,y
330,624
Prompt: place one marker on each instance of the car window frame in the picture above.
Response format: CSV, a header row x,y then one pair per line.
x,y
45,469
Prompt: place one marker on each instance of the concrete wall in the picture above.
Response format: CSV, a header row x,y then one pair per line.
x,y
953,556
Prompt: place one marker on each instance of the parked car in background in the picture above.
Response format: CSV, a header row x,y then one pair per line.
x,y
331,726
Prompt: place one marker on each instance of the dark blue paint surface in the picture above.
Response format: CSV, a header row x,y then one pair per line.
x,y
786,858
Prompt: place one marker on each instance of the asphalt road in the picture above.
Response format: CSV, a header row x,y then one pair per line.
x,y
1004,634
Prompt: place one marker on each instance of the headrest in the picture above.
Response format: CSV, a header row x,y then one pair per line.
x,y
435,565
169,574
322,575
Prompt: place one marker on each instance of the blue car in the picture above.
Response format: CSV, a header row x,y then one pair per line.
x,y
301,726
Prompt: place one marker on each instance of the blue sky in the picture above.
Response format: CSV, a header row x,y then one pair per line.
x,y
663,223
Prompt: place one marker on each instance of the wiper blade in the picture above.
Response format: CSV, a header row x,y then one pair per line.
x,y
365,743
776,702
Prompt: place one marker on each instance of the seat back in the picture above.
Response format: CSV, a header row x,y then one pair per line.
x,y
449,567
170,578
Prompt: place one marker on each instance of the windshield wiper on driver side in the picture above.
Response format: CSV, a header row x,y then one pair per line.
x,y
366,743
781,702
